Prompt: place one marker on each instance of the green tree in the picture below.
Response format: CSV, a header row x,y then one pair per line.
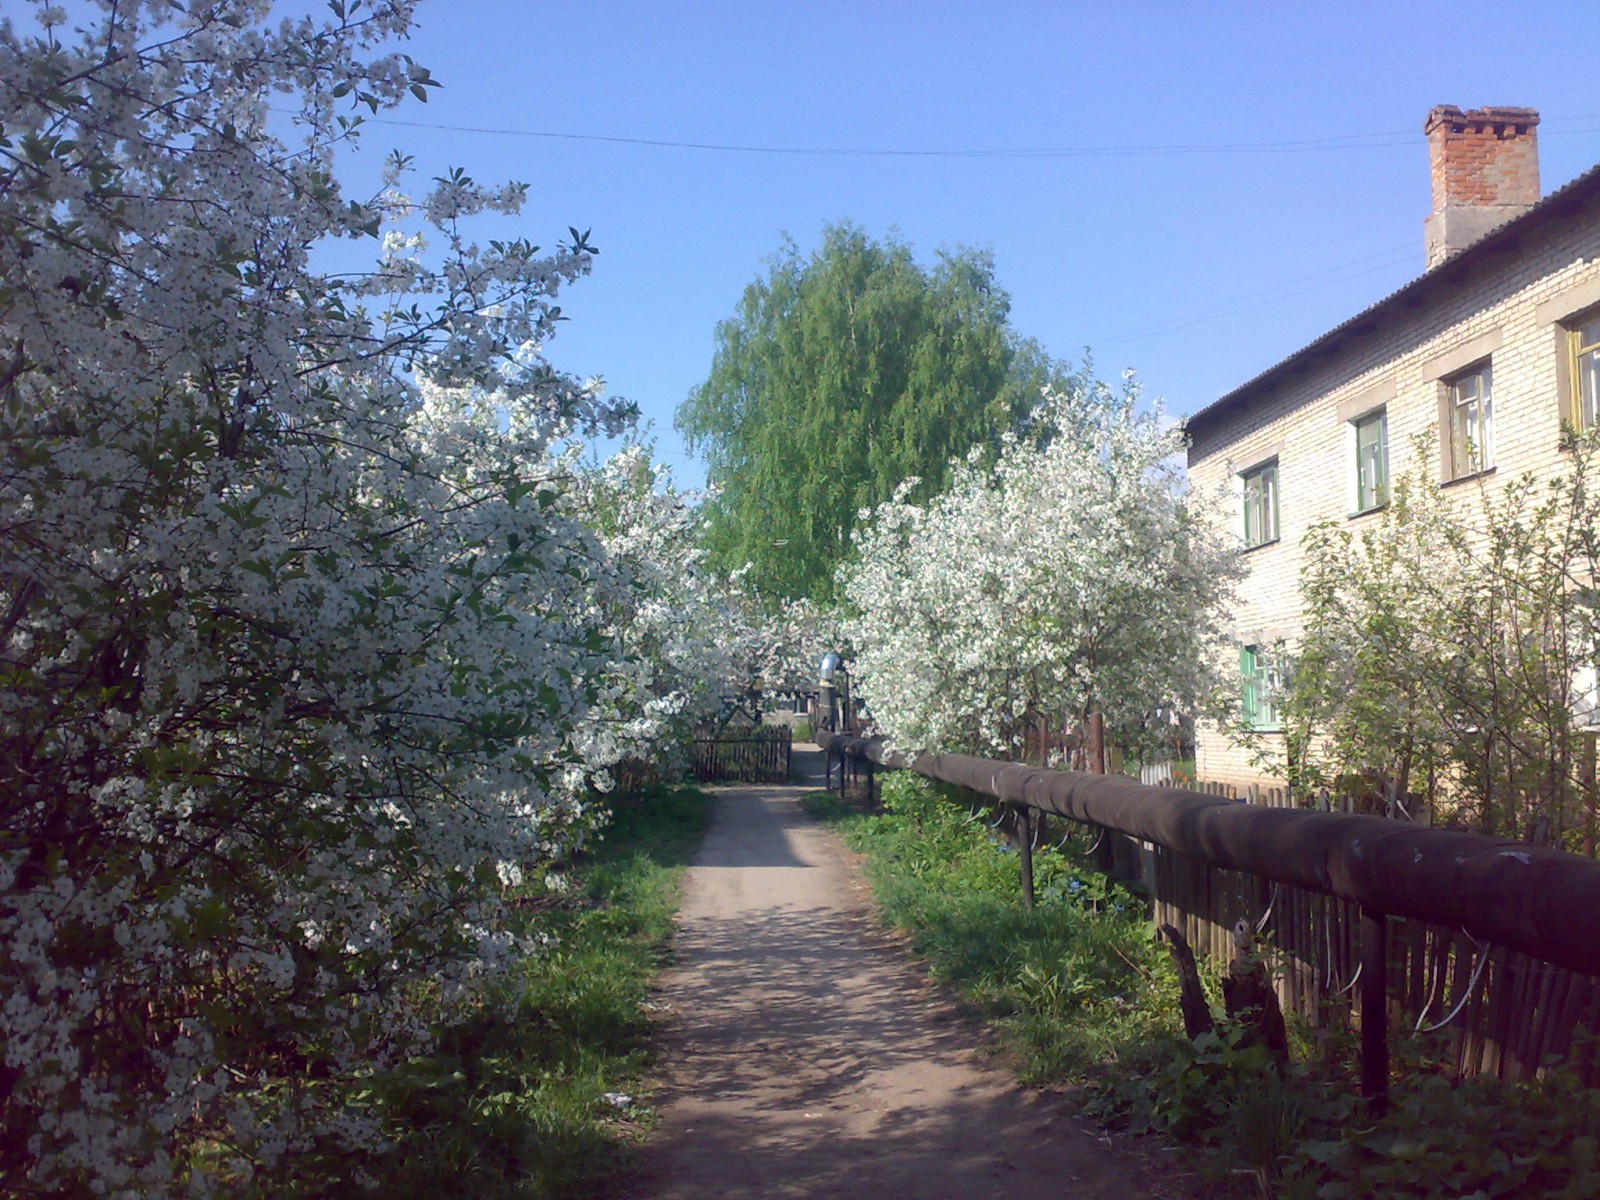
x,y
1448,659
839,377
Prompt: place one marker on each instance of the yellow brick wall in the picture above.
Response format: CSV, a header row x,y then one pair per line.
x,y
1509,302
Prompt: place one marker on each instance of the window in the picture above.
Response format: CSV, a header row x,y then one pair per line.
x,y
1261,505
1583,340
1585,697
1372,461
1584,652
1470,419
1262,684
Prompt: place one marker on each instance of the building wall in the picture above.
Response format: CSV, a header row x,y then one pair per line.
x,y
1508,308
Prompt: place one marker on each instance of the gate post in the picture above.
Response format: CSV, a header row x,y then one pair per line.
x,y
1024,824
1374,1010
1105,853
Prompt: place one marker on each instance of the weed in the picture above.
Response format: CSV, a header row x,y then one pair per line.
x,y
520,1101
1081,993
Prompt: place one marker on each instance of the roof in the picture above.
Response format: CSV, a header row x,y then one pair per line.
x,y
1421,290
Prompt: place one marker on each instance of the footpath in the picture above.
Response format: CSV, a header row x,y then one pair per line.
x,y
806,1057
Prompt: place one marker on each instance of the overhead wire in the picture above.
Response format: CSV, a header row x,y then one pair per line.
x,y
1281,291
1354,141
1380,260
1345,141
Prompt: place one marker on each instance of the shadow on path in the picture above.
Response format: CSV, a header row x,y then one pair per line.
x,y
805,1058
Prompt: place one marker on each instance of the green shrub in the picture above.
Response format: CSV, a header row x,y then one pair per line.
x,y
524,1100
1081,993
1478,1138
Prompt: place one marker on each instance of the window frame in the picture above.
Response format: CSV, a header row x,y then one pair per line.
x,y
1379,492
1262,683
1582,412
1251,480
1482,461
1585,688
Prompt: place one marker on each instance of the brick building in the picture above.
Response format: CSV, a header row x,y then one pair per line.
x,y
1493,348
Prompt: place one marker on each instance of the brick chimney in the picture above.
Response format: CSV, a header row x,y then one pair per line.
x,y
1485,171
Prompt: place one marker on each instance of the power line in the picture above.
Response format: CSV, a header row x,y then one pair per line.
x,y
1253,300
1348,141
1355,141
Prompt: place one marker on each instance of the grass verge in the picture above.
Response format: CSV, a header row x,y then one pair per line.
x,y
536,1095
1081,994
1071,987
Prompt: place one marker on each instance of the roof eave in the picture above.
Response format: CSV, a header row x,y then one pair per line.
x,y
1413,294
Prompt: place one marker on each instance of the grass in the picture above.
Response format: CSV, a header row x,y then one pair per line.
x,y
1074,985
1080,994
525,1100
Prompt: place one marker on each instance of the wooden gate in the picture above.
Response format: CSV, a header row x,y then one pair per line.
x,y
759,755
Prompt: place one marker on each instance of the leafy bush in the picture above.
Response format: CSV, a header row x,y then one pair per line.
x,y
1478,1138
1067,983
1081,993
535,1096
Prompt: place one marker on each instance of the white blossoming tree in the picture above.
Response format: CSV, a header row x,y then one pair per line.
x,y
290,653
1073,576
667,629
773,650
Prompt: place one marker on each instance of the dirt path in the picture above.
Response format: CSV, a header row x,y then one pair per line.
x,y
806,1057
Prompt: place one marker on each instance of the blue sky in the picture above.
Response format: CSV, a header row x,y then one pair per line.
x,y
1235,179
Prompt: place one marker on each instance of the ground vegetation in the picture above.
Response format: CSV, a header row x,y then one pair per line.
x,y
1083,997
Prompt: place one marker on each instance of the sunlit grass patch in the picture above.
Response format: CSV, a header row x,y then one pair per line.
x,y
537,1095
1081,994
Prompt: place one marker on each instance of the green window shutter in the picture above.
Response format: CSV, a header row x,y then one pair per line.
x,y
1259,700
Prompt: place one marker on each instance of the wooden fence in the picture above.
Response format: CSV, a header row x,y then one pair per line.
x,y
759,756
1250,793
1491,948
1486,1010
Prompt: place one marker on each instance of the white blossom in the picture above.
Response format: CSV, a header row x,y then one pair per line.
x,y
302,626
1074,575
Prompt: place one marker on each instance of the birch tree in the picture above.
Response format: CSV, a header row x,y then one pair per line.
x,y
842,374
